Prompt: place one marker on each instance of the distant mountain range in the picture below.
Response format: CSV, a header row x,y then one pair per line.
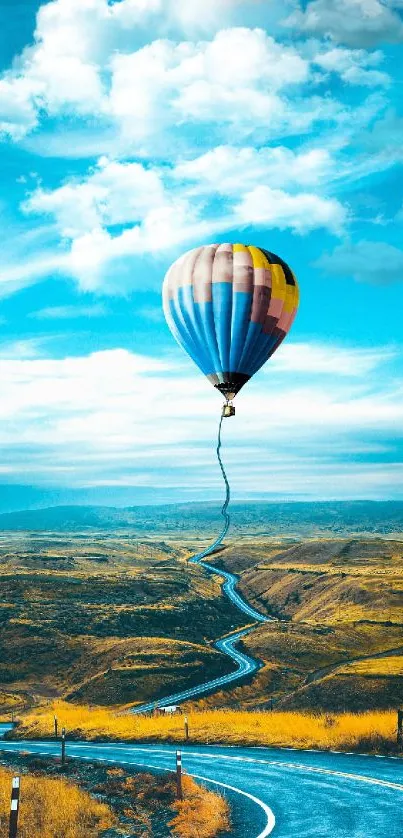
x,y
256,518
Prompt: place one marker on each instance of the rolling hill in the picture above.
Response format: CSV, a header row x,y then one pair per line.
x,y
338,644
188,519
107,620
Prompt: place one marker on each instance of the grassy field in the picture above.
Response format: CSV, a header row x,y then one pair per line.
x,y
201,814
327,581
50,807
105,619
371,731
91,799
338,600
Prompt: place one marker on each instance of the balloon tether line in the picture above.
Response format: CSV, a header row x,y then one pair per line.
x,y
224,510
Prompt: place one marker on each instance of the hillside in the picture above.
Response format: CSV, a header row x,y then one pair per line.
x,y
190,519
106,620
339,642
110,618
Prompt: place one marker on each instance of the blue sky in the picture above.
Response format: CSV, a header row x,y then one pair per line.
x,y
134,130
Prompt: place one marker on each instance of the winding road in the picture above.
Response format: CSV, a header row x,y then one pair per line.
x,y
293,793
245,665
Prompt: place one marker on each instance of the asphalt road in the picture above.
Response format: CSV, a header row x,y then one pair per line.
x,y
245,665
229,588
285,792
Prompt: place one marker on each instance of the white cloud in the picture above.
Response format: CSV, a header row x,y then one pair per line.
x,y
328,359
112,193
22,349
18,111
115,418
354,66
22,272
87,59
93,62
235,77
379,263
160,210
301,213
228,170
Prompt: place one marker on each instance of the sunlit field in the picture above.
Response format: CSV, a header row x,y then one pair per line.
x,y
52,807
59,808
201,814
372,731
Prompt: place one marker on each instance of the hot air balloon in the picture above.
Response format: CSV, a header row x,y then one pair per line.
x,y
230,306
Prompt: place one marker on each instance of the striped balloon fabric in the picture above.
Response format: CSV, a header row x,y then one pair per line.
x,y
230,306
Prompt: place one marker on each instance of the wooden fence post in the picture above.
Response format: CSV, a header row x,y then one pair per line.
x,y
63,745
55,720
179,791
14,807
400,729
186,729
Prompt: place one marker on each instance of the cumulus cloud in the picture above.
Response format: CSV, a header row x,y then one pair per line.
x,y
379,263
121,210
354,66
235,77
112,193
357,23
153,103
88,60
93,60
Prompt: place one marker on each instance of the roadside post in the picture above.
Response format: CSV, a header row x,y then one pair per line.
x,y
14,807
400,729
179,792
55,721
186,729
63,745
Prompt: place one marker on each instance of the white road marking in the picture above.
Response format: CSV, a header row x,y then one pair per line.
x,y
295,766
271,821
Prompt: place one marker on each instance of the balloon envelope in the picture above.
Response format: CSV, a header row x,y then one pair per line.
x,y
230,306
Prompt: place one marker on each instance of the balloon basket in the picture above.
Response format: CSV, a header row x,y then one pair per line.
x,y
228,410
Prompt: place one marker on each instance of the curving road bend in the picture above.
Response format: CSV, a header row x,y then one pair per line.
x,y
245,664
229,588
295,793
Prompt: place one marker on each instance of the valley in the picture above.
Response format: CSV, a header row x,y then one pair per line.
x,y
107,618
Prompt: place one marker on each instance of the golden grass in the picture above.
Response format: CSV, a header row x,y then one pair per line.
x,y
374,730
201,814
52,807
391,665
